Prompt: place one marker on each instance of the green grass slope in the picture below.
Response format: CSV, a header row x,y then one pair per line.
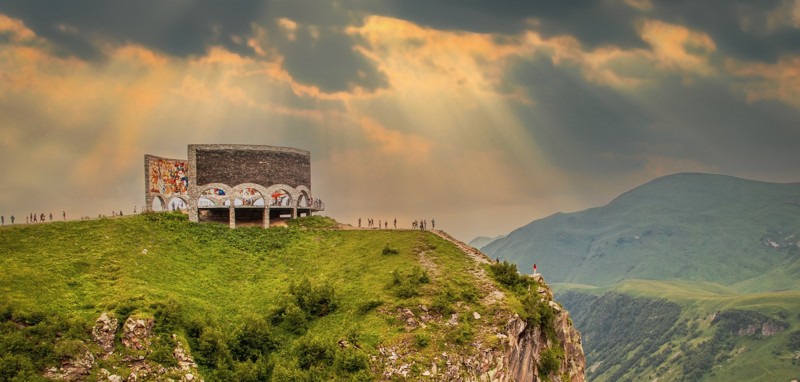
x,y
250,303
645,330
699,227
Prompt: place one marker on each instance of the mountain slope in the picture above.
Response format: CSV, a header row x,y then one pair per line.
x,y
645,330
482,241
153,296
700,227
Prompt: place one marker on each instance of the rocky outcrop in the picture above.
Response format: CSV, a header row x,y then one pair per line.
x,y
136,333
506,350
103,332
136,337
73,369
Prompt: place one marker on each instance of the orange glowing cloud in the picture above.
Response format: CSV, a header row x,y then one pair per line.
x,y
779,81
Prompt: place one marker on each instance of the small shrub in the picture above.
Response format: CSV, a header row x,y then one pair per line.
x,y
317,301
407,285
390,251
311,352
441,304
369,305
17,368
550,361
351,360
294,319
168,315
421,341
253,340
794,341
69,348
161,351
461,335
507,275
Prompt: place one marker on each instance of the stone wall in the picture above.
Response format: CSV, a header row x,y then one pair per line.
x,y
264,165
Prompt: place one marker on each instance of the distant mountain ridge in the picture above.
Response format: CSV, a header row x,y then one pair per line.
x,y
688,226
482,241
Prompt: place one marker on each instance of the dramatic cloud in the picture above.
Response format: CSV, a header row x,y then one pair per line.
x,y
484,115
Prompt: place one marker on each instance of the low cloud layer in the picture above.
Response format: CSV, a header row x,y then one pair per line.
x,y
481,115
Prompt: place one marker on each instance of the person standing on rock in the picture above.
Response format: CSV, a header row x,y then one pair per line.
x,y
433,223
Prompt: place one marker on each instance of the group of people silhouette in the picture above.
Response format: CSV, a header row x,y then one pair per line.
x,y
32,218
421,224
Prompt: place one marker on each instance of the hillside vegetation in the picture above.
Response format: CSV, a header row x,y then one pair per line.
x,y
643,330
698,227
690,277
305,303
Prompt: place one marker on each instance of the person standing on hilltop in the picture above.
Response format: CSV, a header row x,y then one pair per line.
x,y
51,216
42,217
395,223
433,223
359,222
3,220
64,214
12,219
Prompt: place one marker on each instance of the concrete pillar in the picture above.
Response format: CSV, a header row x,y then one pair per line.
x,y
266,217
294,213
232,216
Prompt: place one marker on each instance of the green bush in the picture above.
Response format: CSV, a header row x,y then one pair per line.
x,y
311,352
212,349
368,306
168,315
17,368
507,275
390,251
351,360
550,361
794,341
421,341
294,319
460,335
317,301
161,351
253,340
408,285
252,371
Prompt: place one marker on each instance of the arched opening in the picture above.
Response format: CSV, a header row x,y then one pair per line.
x,y
303,204
158,204
212,205
280,206
249,204
303,200
176,204
280,198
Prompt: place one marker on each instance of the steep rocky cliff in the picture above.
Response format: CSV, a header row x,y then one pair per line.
x,y
510,349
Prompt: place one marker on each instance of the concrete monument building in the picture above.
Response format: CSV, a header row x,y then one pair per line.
x,y
235,184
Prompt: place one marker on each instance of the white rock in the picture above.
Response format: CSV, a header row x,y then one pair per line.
x,y
476,315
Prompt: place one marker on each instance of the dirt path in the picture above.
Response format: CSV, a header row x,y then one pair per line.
x,y
493,294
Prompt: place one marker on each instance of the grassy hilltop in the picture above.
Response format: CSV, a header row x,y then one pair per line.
x,y
307,302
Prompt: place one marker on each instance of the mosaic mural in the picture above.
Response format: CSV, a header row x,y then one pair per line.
x,y
280,198
213,197
249,197
169,177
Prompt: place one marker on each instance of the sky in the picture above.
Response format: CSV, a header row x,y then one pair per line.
x,y
483,115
